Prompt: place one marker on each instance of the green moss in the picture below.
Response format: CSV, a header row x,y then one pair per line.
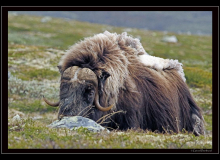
x,y
208,122
35,134
16,54
30,73
30,106
196,77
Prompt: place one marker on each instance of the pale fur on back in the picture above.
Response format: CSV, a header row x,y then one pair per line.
x,y
122,50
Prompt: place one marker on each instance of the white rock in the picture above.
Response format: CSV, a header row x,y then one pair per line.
x,y
16,118
127,29
188,33
37,117
170,39
46,19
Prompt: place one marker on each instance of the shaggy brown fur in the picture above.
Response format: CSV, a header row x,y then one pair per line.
x,y
153,99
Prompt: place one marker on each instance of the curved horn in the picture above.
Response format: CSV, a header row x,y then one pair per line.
x,y
98,105
51,103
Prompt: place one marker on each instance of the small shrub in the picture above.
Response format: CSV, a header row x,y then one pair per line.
x,y
31,89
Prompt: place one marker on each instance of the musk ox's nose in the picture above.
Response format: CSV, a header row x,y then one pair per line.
x,y
60,116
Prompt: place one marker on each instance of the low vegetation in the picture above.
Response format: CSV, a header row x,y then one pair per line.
x,y
34,49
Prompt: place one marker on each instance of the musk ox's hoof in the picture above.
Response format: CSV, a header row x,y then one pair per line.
x,y
76,122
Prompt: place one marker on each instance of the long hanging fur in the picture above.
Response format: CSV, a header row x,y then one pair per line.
x,y
151,90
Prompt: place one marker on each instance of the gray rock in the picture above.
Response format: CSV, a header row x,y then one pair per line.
x,y
76,122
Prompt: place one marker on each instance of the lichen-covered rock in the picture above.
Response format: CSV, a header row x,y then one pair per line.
x,y
76,122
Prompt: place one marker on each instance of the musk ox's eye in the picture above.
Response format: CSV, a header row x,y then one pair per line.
x,y
89,94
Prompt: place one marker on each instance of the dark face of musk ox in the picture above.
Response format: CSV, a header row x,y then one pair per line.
x,y
79,91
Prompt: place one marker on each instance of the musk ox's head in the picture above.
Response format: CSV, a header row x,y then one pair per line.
x,y
79,90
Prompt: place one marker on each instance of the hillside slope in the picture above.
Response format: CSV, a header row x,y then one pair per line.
x,y
195,22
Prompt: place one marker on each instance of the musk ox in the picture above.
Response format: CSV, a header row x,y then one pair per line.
x,y
110,72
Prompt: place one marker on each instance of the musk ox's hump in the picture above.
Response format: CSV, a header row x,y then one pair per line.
x,y
125,39
91,47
